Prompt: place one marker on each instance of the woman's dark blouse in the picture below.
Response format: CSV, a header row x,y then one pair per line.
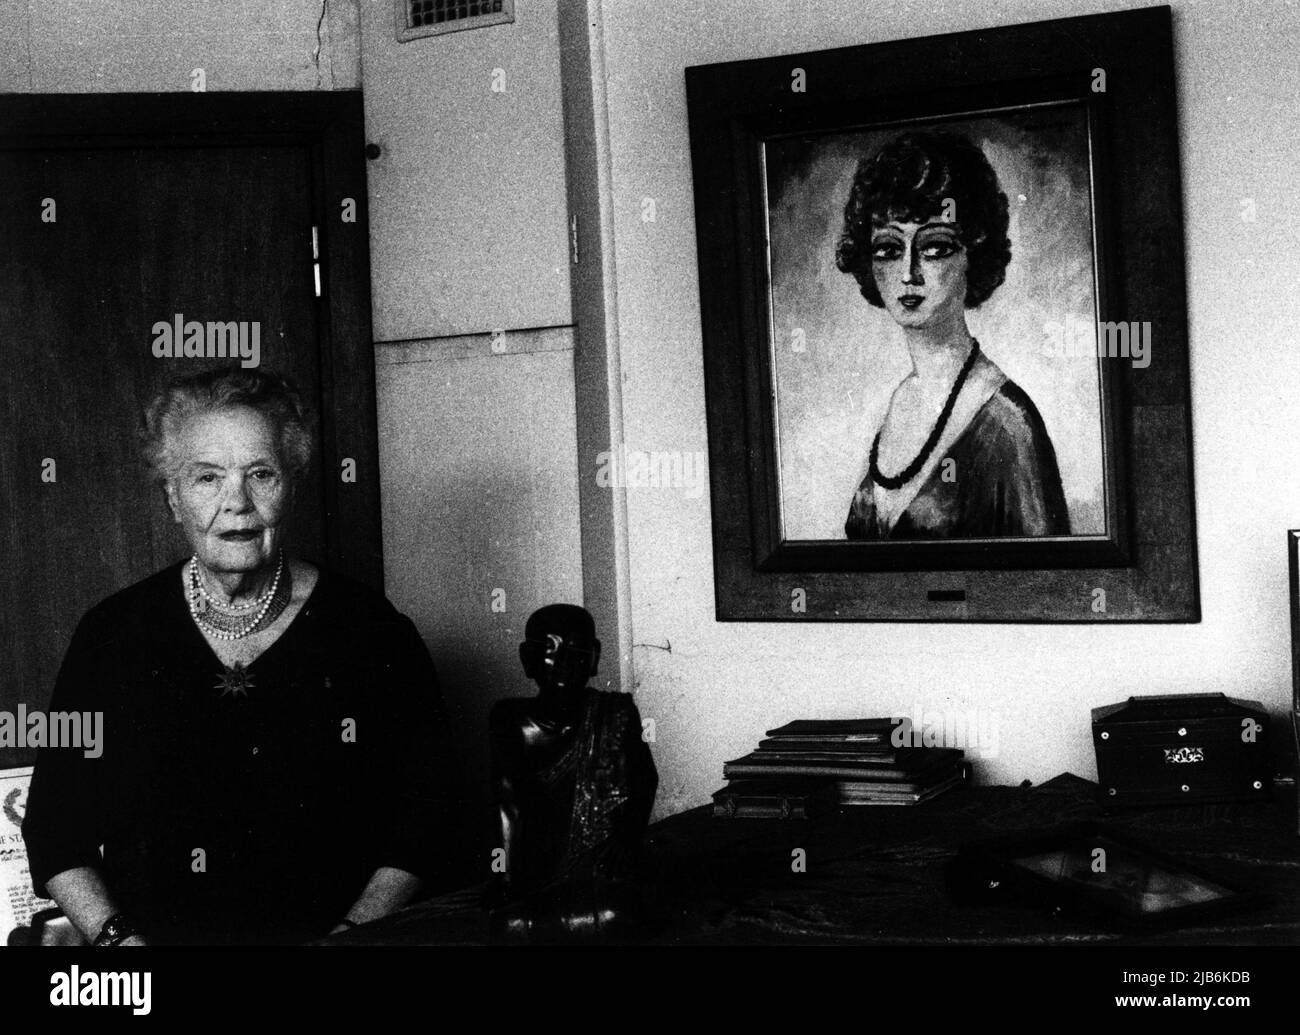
x,y
255,817
1006,484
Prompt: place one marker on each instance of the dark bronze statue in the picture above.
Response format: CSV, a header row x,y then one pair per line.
x,y
574,783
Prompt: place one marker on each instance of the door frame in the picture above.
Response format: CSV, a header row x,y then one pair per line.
x,y
331,126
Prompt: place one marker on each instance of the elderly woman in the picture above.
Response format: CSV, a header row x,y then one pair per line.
x,y
925,236
270,770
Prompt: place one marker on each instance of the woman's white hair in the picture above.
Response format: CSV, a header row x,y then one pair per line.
x,y
272,395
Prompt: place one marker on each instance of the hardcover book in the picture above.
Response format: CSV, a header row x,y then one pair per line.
x,y
871,731
907,763
774,799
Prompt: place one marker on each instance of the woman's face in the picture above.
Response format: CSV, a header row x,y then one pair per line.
x,y
920,271
232,490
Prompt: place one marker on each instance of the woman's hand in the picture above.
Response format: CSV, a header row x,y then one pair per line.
x,y
389,889
134,939
85,900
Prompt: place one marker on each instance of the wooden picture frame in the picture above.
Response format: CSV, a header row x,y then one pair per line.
x,y
764,135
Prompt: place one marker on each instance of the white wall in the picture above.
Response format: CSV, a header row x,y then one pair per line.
x,y
478,447
139,46
480,501
467,213
723,684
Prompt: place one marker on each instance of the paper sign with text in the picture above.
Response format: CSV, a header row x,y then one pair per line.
x,y
17,900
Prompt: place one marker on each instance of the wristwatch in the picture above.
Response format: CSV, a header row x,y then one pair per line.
x,y
117,928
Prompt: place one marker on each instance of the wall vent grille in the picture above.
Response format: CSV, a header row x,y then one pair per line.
x,y
417,18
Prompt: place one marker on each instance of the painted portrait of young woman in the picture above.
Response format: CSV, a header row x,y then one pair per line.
x,y
920,275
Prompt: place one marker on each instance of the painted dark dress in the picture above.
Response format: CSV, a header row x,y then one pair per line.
x,y
1006,482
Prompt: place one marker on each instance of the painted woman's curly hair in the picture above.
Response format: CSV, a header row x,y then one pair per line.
x,y
909,180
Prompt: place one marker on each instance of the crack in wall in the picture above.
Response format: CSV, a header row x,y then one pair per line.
x,y
315,54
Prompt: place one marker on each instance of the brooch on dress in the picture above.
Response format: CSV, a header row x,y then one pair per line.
x,y
235,682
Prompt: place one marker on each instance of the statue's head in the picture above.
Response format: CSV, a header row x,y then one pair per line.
x,y
560,650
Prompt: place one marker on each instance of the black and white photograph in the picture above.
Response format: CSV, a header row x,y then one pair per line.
x,y
519,512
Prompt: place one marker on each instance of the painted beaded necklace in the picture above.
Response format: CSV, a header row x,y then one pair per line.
x,y
897,481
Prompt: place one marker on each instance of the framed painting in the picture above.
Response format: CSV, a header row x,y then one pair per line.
x,y
944,325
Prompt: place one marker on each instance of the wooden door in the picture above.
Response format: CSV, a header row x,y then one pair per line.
x,y
122,212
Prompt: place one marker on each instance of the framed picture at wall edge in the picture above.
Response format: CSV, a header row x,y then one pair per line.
x,y
944,328
1293,573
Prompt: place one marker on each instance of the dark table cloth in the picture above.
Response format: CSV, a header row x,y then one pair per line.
x,y
874,875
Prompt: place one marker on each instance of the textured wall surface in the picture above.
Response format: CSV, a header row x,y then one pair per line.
x,y
141,46
470,295
467,212
480,502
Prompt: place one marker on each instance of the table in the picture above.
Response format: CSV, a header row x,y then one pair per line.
x,y
874,875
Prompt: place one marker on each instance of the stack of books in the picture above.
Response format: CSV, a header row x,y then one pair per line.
x,y
813,765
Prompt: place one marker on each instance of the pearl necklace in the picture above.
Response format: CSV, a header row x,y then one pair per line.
x,y
230,610
238,623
